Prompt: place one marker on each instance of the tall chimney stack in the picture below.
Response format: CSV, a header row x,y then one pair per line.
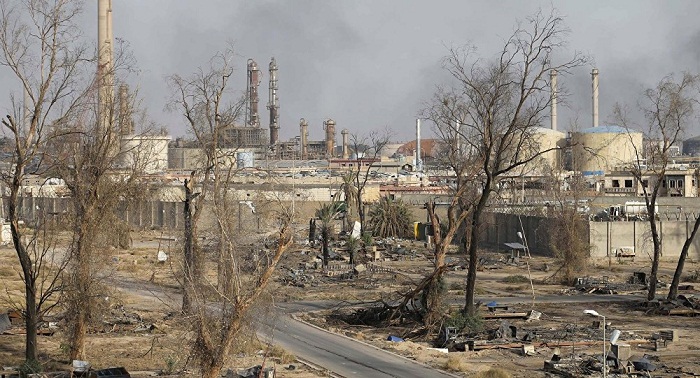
x,y
273,104
419,161
329,126
304,131
553,104
346,150
127,124
253,118
105,57
594,75
26,110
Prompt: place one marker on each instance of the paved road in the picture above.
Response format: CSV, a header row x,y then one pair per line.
x,y
350,358
347,357
344,356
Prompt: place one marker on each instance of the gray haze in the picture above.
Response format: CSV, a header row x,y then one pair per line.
x,y
372,64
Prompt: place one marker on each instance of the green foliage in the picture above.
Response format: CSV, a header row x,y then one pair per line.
x,y
353,245
390,218
463,321
367,239
29,367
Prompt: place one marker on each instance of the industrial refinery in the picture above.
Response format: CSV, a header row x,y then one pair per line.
x,y
346,194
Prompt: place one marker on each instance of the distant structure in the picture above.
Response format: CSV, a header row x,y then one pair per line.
x,y
126,121
329,127
346,149
553,99
594,77
105,57
273,104
304,132
252,116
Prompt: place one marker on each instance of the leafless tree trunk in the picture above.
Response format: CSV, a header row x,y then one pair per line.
x,y
368,150
668,109
673,290
217,310
494,108
38,44
202,99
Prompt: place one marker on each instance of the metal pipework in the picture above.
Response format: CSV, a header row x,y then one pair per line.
x,y
594,76
273,103
329,126
553,104
346,150
304,131
252,94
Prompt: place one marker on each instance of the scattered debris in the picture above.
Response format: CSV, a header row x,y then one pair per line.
x,y
684,305
394,339
252,372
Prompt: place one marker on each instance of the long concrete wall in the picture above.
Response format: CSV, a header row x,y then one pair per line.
x,y
605,236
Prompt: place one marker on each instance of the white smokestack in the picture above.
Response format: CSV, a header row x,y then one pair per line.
x,y
26,106
594,75
553,106
105,58
419,162
346,150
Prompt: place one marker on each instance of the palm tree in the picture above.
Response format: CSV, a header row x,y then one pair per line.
x,y
326,214
390,218
350,197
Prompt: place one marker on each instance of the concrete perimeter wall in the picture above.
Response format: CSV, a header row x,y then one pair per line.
x,y
605,236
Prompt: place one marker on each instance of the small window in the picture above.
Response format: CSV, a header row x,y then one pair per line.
x,y
615,183
663,183
628,183
680,183
645,183
671,183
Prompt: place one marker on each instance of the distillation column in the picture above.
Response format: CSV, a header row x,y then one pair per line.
x,y
329,126
304,131
273,104
253,119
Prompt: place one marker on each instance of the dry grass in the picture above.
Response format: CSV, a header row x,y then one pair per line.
x,y
455,363
494,373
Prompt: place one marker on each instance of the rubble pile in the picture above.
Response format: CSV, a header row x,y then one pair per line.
x,y
603,285
684,305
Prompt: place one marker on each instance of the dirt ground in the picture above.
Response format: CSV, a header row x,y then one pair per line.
x,y
151,341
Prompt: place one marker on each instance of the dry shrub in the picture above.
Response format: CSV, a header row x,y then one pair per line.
x,y
494,373
282,354
455,363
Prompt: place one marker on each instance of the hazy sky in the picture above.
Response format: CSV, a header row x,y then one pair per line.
x,y
372,64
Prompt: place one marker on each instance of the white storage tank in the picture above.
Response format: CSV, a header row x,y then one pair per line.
x,y
604,148
245,159
148,152
551,141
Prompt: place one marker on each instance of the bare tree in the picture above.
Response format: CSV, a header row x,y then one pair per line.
x,y
38,43
668,110
495,106
218,310
203,99
368,150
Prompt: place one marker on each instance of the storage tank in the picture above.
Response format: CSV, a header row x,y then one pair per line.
x,y
549,139
604,148
149,152
245,159
691,146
